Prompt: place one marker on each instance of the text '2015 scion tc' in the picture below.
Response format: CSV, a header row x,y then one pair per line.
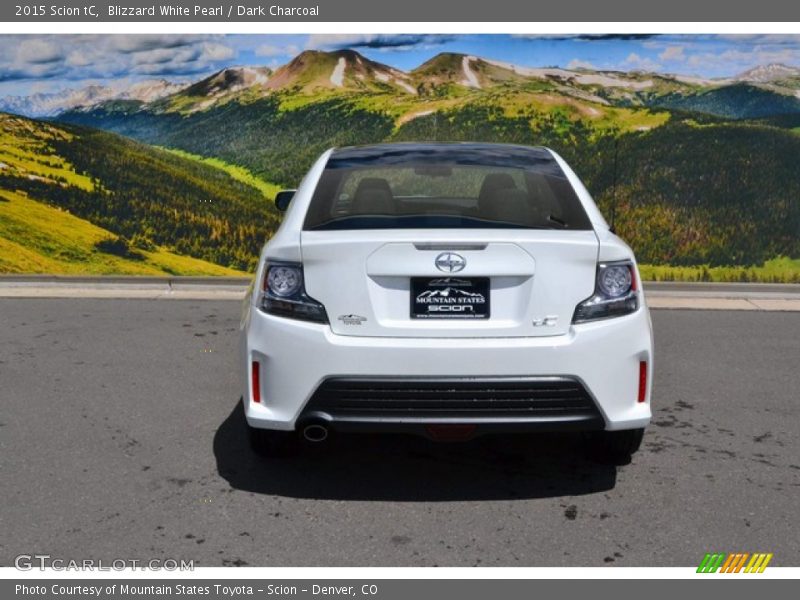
x,y
447,290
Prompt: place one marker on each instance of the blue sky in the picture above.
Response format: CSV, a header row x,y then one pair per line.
x,y
39,63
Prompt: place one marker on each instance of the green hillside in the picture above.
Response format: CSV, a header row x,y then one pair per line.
x,y
711,194
274,144
132,208
741,101
268,190
38,238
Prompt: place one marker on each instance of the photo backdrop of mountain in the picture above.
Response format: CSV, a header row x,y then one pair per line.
x,y
74,199
703,171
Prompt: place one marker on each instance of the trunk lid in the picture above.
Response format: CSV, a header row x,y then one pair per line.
x,y
364,278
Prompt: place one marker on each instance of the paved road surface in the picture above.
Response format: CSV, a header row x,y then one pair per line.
x,y
121,437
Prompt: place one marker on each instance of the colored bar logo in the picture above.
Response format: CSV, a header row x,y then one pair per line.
x,y
735,562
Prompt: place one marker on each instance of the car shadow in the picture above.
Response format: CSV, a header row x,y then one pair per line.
x,y
408,468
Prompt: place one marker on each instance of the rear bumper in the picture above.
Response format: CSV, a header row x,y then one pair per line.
x,y
296,359
487,405
461,430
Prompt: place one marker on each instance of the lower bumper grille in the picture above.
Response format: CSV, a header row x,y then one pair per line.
x,y
507,399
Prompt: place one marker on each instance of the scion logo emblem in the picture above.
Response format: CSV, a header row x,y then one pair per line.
x,y
450,262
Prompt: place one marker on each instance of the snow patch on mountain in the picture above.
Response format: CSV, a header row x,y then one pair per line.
x,y
596,78
409,88
470,79
606,80
692,80
411,116
541,72
769,73
337,77
51,104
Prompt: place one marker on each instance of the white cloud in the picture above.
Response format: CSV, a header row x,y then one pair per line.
x,y
271,50
162,56
211,51
73,57
194,57
673,53
334,41
129,44
760,38
736,60
205,52
641,63
38,51
79,58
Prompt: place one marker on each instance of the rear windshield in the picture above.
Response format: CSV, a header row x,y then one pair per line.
x,y
444,187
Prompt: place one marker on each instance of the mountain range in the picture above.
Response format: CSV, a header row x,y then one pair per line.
x,y
52,103
447,74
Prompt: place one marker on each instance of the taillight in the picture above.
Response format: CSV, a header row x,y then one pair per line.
x,y
615,293
642,381
255,373
283,294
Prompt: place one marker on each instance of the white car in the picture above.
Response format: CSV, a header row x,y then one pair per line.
x,y
446,290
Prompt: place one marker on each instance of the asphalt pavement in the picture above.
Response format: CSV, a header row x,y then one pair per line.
x,y
121,436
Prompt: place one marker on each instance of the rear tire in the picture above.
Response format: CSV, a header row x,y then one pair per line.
x,y
615,447
270,443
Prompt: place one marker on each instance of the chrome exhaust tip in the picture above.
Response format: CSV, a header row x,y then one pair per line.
x,y
315,433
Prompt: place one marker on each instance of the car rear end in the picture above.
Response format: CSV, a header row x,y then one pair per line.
x,y
446,289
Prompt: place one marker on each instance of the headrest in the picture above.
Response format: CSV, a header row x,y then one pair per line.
x,y
373,196
495,181
373,183
512,205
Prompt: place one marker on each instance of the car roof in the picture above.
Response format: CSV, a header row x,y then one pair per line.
x,y
462,153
